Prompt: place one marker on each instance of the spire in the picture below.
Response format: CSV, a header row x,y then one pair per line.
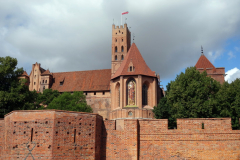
x,y
202,50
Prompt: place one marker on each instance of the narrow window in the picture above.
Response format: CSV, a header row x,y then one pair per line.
x,y
119,31
202,125
42,81
35,76
116,49
122,48
34,83
115,40
31,134
122,39
144,94
122,57
130,68
85,93
94,93
46,81
74,135
116,58
103,93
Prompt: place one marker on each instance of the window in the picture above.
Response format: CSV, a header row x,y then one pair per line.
x,y
122,57
131,92
45,81
122,39
122,48
35,76
34,83
43,88
117,92
116,49
103,93
115,40
94,93
130,68
130,113
144,94
61,83
85,93
116,58
42,81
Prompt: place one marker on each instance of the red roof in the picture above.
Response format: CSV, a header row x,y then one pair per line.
x,y
134,58
204,63
47,72
25,74
93,80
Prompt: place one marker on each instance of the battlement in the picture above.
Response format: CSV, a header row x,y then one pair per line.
x,y
57,134
119,27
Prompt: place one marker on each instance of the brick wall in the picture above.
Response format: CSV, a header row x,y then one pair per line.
x,y
64,135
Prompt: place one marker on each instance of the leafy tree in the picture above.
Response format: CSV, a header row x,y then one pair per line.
x,y
191,95
14,94
229,101
70,102
47,96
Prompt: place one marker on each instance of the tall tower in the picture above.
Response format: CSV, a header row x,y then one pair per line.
x,y
121,42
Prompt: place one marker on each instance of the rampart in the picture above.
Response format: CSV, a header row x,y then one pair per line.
x,y
53,134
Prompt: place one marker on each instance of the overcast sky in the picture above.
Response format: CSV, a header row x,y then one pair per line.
x,y
75,35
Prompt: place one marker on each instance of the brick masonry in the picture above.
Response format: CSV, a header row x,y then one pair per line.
x,y
54,134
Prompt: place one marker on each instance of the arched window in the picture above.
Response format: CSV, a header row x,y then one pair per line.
x,y
42,81
122,57
131,92
117,91
45,81
122,48
115,57
116,49
116,40
144,94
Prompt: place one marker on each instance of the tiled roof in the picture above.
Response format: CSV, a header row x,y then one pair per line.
x,y
47,72
135,59
42,70
93,80
25,74
204,63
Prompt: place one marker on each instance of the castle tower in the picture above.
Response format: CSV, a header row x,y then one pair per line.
x,y
121,42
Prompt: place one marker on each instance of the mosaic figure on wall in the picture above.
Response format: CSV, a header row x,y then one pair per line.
x,y
131,92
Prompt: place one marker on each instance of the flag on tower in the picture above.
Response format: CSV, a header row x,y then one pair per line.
x,y
124,12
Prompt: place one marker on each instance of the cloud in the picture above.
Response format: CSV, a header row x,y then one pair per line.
x,y
76,35
231,55
232,74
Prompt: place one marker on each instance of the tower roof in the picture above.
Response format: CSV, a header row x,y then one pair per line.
x,y
204,63
134,59
25,74
47,72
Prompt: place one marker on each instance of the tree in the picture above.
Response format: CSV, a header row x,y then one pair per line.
x,y
229,101
47,96
191,95
14,94
70,102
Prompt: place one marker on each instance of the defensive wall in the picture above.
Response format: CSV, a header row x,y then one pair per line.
x,y
54,134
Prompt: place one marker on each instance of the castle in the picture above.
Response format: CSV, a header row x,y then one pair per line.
x,y
130,89
122,125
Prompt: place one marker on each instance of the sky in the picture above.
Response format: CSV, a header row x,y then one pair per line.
x,y
75,35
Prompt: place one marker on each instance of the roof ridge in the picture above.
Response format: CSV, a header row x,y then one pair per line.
x,y
82,71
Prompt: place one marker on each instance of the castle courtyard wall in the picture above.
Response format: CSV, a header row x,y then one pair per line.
x,y
53,134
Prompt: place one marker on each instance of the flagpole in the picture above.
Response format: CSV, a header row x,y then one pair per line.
x,y
121,19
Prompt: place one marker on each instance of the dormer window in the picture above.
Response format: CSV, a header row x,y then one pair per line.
x,y
61,83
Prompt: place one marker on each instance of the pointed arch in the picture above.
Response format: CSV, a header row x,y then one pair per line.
x,y
115,57
117,94
145,87
122,57
122,49
131,92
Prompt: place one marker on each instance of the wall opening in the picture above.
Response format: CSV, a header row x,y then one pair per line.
x,y
202,125
74,135
31,134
